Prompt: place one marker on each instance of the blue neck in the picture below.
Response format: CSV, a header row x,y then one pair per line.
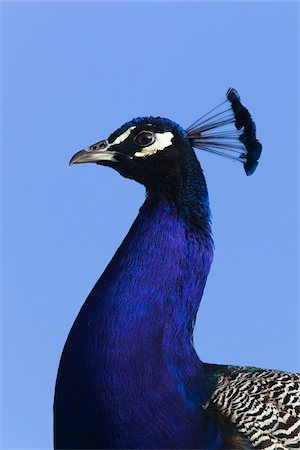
x,y
131,343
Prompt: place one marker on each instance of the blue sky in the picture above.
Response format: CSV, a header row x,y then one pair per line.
x,y
73,73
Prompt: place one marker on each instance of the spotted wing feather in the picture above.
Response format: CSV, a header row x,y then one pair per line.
x,y
264,405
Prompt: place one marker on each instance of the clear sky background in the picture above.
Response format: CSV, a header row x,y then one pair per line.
x,y
72,74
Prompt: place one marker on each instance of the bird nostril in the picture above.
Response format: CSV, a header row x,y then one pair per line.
x,y
102,145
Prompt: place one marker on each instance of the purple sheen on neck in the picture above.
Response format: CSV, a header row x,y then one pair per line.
x,y
135,376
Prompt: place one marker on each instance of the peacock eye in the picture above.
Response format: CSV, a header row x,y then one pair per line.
x,y
145,138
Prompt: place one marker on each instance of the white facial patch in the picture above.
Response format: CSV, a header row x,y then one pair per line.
x,y
162,141
123,136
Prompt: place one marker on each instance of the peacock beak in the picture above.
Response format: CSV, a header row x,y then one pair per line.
x,y
98,153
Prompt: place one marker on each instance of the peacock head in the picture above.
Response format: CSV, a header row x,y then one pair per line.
x,y
146,149
156,151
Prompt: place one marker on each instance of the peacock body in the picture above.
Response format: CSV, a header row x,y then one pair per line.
x,y
129,377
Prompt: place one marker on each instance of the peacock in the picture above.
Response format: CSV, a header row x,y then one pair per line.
x,y
129,376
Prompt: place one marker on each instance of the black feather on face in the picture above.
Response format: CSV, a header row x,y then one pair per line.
x,y
155,153
150,150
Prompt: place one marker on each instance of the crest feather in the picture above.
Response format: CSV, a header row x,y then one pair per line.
x,y
214,133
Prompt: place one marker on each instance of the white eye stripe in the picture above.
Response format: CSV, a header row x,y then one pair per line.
x,y
123,136
162,141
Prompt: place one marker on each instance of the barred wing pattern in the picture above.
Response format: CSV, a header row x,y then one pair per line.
x,y
264,405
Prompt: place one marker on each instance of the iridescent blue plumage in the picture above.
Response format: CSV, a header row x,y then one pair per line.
x,y
129,376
